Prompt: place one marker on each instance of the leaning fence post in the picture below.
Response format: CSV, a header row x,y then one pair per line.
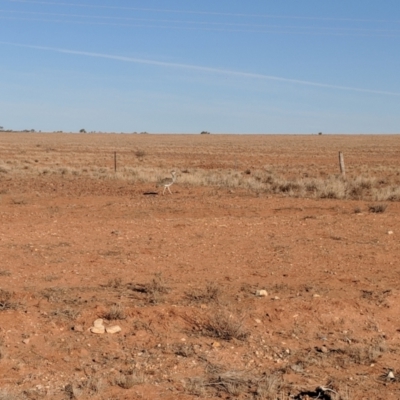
x,y
341,164
115,161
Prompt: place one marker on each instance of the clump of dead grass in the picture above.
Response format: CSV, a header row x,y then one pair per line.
x,y
127,381
377,208
115,312
221,382
6,302
67,313
211,293
154,290
221,325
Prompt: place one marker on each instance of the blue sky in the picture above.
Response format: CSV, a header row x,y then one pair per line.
x,y
183,66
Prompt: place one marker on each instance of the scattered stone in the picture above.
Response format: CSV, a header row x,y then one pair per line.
x,y
324,349
258,321
98,330
316,295
25,341
78,328
113,329
98,323
216,344
390,232
390,375
261,293
276,298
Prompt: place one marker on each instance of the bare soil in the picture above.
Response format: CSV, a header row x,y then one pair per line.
x,y
179,273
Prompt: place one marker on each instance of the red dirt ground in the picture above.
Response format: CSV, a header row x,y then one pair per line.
x,y
73,247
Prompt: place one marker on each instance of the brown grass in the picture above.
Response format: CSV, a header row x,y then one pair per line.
x,y
219,324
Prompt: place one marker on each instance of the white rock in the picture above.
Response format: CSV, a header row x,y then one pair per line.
x,y
113,329
390,232
261,293
98,329
390,375
98,323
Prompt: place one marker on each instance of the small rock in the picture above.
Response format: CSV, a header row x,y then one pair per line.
x,y
25,341
216,344
78,328
98,329
276,298
98,323
390,232
258,321
113,329
261,293
324,349
316,295
390,375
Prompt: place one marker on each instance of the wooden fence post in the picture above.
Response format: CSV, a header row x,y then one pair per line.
x,y
115,161
341,164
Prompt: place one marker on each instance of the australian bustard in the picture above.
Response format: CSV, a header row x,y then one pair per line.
x,y
167,182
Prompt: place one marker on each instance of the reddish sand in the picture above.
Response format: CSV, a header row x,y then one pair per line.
x,y
73,247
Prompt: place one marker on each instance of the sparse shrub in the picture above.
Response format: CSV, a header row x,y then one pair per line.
x,y
5,301
154,289
114,283
127,381
82,131
211,293
377,208
204,133
65,313
116,312
140,153
222,325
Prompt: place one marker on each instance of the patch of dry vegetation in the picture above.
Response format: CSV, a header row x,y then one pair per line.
x,y
148,159
220,324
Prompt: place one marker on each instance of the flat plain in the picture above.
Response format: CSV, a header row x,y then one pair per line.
x,y
86,234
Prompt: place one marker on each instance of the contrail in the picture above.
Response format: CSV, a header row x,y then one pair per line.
x,y
201,23
202,69
199,12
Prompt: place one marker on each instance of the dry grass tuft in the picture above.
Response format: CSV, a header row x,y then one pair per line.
x,y
377,208
116,312
239,384
5,301
221,325
127,381
65,313
6,395
114,283
155,290
211,293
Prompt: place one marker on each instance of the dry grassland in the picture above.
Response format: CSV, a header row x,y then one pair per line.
x,y
179,273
